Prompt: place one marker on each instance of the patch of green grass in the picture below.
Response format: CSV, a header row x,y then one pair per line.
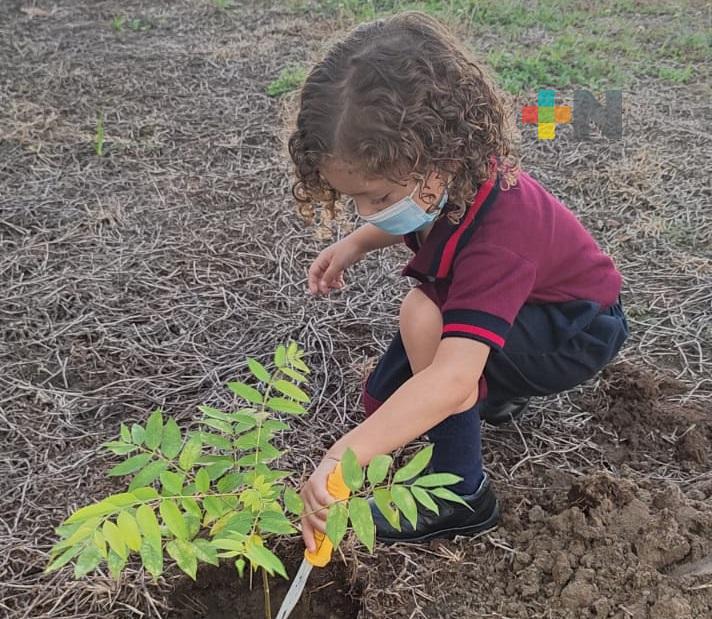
x,y
136,24
289,78
680,75
585,44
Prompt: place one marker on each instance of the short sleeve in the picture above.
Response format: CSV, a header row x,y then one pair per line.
x,y
489,285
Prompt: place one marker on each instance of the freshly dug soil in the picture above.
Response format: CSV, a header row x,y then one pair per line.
x,y
642,426
219,593
596,546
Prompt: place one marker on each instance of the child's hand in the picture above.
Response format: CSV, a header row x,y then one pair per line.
x,y
327,271
316,497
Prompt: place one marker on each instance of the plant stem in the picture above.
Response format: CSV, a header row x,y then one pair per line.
x,y
265,591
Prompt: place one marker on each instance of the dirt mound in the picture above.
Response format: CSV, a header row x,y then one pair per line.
x,y
610,548
640,420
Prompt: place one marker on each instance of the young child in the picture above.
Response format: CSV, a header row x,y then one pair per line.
x,y
515,298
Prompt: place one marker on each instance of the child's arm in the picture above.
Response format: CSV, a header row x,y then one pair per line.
x,y
326,272
369,237
446,387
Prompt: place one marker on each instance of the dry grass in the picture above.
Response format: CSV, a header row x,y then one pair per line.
x,y
147,276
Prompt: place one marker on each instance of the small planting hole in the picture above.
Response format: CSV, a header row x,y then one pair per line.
x,y
219,593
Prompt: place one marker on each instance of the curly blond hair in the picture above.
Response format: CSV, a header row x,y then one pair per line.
x,y
398,98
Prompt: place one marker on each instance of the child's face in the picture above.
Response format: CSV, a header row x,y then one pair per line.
x,y
372,195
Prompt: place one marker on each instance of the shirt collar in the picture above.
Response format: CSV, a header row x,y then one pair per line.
x,y
433,259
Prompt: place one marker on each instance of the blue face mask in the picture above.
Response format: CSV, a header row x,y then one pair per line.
x,y
405,216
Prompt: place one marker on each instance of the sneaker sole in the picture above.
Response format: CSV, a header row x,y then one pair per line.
x,y
500,421
474,529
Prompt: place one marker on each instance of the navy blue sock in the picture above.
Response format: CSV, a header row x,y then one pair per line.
x,y
457,449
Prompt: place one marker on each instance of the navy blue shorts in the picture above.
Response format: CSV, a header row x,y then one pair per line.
x,y
550,348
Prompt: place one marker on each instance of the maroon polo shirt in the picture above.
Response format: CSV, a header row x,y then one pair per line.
x,y
514,246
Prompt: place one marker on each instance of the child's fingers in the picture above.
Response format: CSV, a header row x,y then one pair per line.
x,y
315,275
308,535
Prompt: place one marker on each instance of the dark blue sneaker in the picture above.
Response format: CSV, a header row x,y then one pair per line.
x,y
453,518
497,413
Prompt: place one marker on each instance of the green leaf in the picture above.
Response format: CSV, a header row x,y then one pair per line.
x,y
152,558
115,538
258,370
138,434
216,469
437,479
184,555
145,494
214,413
291,390
119,448
424,499
292,350
416,464
205,551
82,532
382,498
351,470
87,561
215,507
90,511
171,439
378,468
202,481
148,525
282,405
130,465
300,365
100,542
294,375
292,501
64,558
217,424
274,425
172,482
122,499
240,566
406,503
191,507
191,452
362,521
116,564
275,522
149,473
129,530
248,440
246,392
229,483
449,495
154,429
337,520
125,433
234,522
173,518
216,440
280,356
265,558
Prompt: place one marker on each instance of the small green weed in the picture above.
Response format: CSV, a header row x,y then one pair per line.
x,y
99,139
118,22
289,78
